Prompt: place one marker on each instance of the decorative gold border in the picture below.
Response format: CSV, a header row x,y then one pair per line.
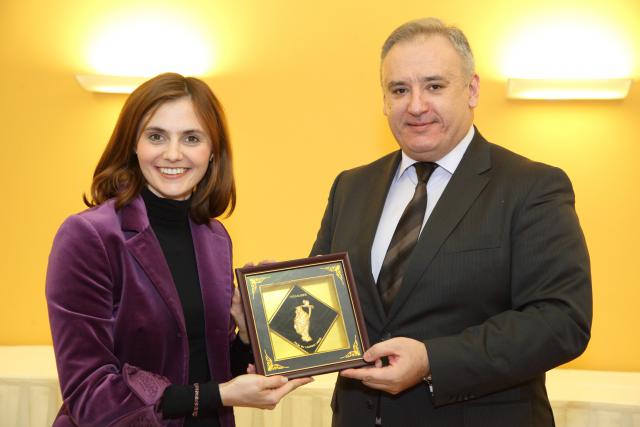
x,y
255,281
272,366
335,269
355,351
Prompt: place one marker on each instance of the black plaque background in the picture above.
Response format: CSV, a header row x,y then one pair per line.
x,y
322,315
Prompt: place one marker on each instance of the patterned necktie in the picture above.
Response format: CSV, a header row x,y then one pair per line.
x,y
404,238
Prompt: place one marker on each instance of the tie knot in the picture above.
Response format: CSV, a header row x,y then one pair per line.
x,y
424,170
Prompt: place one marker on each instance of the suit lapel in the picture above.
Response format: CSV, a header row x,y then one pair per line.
x,y
379,184
464,187
143,244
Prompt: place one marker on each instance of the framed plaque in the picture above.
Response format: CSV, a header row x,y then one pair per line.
x,y
303,316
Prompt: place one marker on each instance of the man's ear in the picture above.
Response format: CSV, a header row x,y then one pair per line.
x,y
474,91
385,106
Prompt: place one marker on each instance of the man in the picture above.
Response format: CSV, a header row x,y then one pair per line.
x,y
466,318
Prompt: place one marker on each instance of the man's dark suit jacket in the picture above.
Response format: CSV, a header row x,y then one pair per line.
x,y
498,287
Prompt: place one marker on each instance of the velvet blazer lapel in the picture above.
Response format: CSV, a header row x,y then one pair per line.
x,y
213,256
144,246
464,187
213,259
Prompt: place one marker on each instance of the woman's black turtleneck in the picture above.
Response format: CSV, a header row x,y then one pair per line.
x,y
169,220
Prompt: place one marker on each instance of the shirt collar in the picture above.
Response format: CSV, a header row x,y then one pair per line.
x,y
449,162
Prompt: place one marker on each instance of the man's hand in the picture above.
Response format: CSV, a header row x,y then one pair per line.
x,y
408,365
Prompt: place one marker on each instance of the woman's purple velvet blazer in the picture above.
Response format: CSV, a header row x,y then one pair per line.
x,y
117,324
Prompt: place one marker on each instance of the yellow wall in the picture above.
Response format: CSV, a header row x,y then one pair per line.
x,y
300,87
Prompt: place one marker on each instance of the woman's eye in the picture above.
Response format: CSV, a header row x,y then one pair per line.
x,y
154,137
400,91
192,139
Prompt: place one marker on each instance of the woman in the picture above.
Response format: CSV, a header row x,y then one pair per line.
x,y
140,287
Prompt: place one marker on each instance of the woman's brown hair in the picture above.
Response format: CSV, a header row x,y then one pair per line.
x,y
118,174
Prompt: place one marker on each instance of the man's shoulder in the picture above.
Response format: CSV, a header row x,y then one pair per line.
x,y
502,157
519,170
377,166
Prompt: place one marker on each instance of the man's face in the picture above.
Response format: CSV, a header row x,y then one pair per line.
x,y
428,98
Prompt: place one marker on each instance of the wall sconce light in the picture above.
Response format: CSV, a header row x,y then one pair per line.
x,y
134,45
566,89
552,58
109,84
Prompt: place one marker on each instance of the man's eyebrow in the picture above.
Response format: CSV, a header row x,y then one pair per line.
x,y
435,78
425,79
394,83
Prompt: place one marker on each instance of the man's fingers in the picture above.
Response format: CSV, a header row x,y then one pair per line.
x,y
379,350
352,373
360,373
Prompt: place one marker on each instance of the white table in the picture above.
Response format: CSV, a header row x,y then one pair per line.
x,y
29,392
30,396
594,398
578,398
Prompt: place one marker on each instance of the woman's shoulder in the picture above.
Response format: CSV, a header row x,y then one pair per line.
x,y
218,228
103,213
98,220
87,235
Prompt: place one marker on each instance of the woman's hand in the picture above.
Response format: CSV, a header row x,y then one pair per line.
x,y
238,316
257,391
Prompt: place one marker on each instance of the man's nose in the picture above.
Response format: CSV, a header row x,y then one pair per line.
x,y
173,153
418,103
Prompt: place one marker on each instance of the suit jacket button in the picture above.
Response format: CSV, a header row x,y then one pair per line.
x,y
369,403
386,336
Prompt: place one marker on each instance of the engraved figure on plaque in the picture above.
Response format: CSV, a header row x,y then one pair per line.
x,y
302,320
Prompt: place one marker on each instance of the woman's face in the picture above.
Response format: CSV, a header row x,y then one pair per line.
x,y
173,150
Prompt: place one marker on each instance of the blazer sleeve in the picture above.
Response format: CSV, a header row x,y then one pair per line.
x,y
97,389
549,323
